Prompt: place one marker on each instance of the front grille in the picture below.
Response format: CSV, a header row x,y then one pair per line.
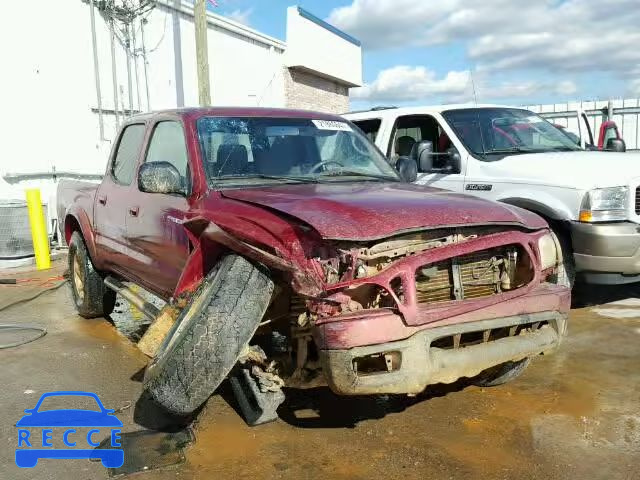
x,y
638,200
479,276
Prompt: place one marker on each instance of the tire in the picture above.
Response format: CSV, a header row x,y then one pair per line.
x,y
209,335
503,373
90,295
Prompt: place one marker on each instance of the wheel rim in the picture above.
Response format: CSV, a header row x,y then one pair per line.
x,y
78,276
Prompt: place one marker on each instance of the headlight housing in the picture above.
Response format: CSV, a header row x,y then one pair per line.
x,y
604,204
550,254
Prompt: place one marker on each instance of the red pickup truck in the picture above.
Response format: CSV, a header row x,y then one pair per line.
x,y
296,255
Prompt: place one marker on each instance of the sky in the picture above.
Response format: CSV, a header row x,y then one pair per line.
x,y
503,51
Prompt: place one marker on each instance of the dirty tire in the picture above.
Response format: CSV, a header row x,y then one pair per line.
x,y
503,373
209,335
90,294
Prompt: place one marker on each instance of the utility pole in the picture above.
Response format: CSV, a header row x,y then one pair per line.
x,y
96,68
202,52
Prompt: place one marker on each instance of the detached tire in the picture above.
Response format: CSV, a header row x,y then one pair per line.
x,y
209,335
503,373
90,294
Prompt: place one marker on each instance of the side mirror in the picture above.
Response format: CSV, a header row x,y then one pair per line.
x,y
428,161
455,161
159,177
422,153
616,145
407,168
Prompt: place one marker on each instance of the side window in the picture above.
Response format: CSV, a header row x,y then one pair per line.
x,y
369,127
168,145
126,159
412,129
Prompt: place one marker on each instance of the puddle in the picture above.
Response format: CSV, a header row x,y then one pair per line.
x,y
147,450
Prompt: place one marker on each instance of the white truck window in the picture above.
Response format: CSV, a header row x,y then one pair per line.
x,y
369,127
412,129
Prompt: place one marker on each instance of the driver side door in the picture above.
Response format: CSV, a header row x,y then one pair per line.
x,y
158,240
409,130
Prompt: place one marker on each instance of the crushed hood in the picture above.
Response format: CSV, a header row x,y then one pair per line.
x,y
376,210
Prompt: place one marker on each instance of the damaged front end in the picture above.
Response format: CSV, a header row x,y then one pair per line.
x,y
390,304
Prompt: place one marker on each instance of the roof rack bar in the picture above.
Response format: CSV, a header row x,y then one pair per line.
x,y
372,109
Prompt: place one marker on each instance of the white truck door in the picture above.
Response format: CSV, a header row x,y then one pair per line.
x,y
407,131
586,135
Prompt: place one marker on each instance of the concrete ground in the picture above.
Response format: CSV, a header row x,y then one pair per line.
x,y
575,414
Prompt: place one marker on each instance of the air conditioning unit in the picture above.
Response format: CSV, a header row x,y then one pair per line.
x,y
16,247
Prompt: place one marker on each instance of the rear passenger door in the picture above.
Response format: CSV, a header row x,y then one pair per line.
x,y
409,130
154,221
112,198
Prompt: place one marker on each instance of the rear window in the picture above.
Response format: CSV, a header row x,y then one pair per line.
x,y
124,164
369,127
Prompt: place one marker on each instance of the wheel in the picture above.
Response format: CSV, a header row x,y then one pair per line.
x,y
209,335
91,296
566,272
503,373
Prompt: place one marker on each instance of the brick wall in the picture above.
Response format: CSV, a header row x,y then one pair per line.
x,y
307,91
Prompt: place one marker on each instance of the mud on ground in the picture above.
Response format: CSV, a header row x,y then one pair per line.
x,y
574,414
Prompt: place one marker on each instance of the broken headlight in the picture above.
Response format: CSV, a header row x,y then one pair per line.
x,y
548,247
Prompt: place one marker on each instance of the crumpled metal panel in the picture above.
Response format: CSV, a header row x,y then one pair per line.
x,y
365,211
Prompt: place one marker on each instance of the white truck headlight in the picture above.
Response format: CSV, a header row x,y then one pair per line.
x,y
604,204
548,246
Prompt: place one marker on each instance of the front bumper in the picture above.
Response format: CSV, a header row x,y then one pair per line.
x,y
415,353
421,364
612,248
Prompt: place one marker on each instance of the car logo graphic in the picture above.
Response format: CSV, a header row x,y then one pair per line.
x,y
28,453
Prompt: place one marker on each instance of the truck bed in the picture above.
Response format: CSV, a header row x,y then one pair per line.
x,y
79,193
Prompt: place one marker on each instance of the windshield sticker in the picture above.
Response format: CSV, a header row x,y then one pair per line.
x,y
331,125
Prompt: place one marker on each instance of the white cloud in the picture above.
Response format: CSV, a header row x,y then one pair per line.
x,y
566,87
240,16
404,83
569,36
415,83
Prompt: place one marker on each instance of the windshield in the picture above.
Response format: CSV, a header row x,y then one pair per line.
x,y
239,150
572,136
492,132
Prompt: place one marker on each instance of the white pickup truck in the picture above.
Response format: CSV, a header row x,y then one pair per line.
x,y
590,198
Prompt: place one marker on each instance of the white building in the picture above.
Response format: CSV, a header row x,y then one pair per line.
x,y
53,121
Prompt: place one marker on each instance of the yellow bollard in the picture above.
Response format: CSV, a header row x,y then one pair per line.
x,y
38,229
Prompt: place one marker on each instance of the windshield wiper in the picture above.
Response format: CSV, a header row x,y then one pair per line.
x,y
286,178
514,150
355,173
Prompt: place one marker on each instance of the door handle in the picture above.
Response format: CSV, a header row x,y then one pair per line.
x,y
102,200
133,211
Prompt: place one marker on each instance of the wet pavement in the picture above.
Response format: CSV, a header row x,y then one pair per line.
x,y
574,414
